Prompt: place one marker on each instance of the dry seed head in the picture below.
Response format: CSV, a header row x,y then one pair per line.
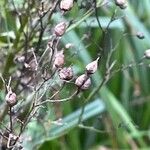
x,y
66,5
11,98
59,59
92,67
66,73
60,29
121,3
83,82
147,54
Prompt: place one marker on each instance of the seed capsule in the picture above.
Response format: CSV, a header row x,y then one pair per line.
x,y
92,67
66,5
59,59
11,98
60,29
147,54
121,3
83,82
66,73
87,84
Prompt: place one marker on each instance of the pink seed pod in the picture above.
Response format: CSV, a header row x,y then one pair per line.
x,y
60,29
66,5
83,82
11,98
121,3
147,54
66,73
86,85
92,67
59,59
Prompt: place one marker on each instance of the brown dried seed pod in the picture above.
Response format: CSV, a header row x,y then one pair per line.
x,y
11,98
83,82
66,73
60,29
92,67
66,5
59,59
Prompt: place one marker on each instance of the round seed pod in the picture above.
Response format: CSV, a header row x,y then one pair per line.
x,y
92,67
66,5
11,98
86,85
60,29
59,59
66,73
83,82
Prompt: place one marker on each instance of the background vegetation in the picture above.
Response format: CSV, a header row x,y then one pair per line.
x,y
114,113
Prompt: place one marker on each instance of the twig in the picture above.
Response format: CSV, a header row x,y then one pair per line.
x,y
10,117
96,15
58,100
45,80
44,28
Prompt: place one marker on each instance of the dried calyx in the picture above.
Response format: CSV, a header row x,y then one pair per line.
x,y
11,98
92,67
66,73
66,5
60,29
83,82
59,59
121,3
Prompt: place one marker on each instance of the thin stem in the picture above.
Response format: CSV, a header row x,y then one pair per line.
x,y
90,96
92,129
96,15
10,117
58,100
46,80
